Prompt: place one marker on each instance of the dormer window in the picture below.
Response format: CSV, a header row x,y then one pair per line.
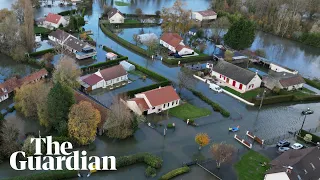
x,y
312,166
305,171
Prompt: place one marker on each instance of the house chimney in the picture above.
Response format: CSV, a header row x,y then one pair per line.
x,y
159,87
289,169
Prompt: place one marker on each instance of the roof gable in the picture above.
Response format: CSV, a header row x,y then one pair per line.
x,y
114,11
92,79
234,72
113,72
53,18
295,80
161,95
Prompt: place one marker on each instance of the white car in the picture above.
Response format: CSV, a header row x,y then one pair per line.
x,y
215,87
283,149
297,146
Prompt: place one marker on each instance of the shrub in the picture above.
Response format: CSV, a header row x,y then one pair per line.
x,y
38,53
151,172
170,125
308,138
48,175
10,110
314,138
65,13
175,173
147,158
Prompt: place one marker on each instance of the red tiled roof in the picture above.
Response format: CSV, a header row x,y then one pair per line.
x,y
34,76
53,18
103,110
171,38
113,72
92,79
161,95
180,47
9,85
207,13
141,103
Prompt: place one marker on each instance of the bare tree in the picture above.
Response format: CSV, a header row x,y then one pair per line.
x,y
119,123
28,25
8,136
186,79
218,26
139,13
222,153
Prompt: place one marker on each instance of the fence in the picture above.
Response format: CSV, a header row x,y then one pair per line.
x,y
289,135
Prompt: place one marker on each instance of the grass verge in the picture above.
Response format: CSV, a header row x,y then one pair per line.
x,y
249,167
189,111
247,95
122,3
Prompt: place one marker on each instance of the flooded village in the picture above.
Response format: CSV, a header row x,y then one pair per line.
x,y
122,78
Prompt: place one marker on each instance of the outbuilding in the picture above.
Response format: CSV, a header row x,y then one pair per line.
x,y
127,66
204,15
111,56
115,16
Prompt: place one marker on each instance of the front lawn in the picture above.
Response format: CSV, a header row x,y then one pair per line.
x,y
41,30
247,95
122,3
250,166
188,111
131,21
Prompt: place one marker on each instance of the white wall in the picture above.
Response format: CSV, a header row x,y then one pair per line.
x,y
115,80
117,18
237,84
167,46
209,17
254,83
100,84
294,87
134,107
196,15
163,107
277,68
184,51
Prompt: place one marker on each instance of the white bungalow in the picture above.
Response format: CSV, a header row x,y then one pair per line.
x,y
239,79
54,21
115,16
154,101
174,43
204,15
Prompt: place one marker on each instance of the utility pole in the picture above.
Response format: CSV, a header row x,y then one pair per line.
x,y
305,113
261,102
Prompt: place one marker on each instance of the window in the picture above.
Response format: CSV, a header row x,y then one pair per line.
x,y
177,102
168,104
153,107
172,103
220,76
164,105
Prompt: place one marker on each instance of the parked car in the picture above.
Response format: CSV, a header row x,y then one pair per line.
x,y
283,143
215,87
283,149
297,146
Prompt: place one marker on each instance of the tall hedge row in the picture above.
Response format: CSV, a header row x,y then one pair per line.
x,y
106,64
39,53
69,12
175,61
315,138
146,71
175,172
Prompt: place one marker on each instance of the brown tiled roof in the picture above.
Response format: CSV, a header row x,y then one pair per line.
x,y
102,109
53,18
34,76
207,13
141,103
9,85
161,95
295,80
180,47
301,161
113,72
171,38
114,11
92,79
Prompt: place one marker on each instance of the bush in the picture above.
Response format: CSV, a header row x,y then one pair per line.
x,y
69,12
10,110
48,175
175,173
38,53
147,88
314,139
312,39
151,172
191,121
147,158
146,71
216,107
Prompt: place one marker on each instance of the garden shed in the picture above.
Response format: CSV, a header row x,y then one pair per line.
x,y
127,66
111,56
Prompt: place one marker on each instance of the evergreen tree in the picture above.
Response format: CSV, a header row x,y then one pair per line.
x,y
60,100
240,35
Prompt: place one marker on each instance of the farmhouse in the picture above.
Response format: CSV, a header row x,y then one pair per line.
x,y
104,78
283,80
174,43
54,21
241,80
8,87
115,16
154,101
81,49
295,164
204,15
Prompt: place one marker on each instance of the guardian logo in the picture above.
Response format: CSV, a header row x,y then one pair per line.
x,y
54,161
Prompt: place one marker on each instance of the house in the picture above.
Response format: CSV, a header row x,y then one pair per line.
x,y
79,96
148,37
111,56
193,31
204,15
295,165
283,80
154,101
54,21
278,68
115,16
8,87
174,43
237,78
127,66
81,49
104,78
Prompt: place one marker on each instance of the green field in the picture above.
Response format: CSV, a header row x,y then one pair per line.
x,y
122,3
249,167
188,111
41,30
131,21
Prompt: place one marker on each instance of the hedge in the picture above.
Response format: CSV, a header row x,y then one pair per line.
x,y
147,158
313,83
216,107
175,172
65,13
135,25
104,64
48,175
146,71
187,59
286,98
39,53
315,138
147,88
145,15
123,42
